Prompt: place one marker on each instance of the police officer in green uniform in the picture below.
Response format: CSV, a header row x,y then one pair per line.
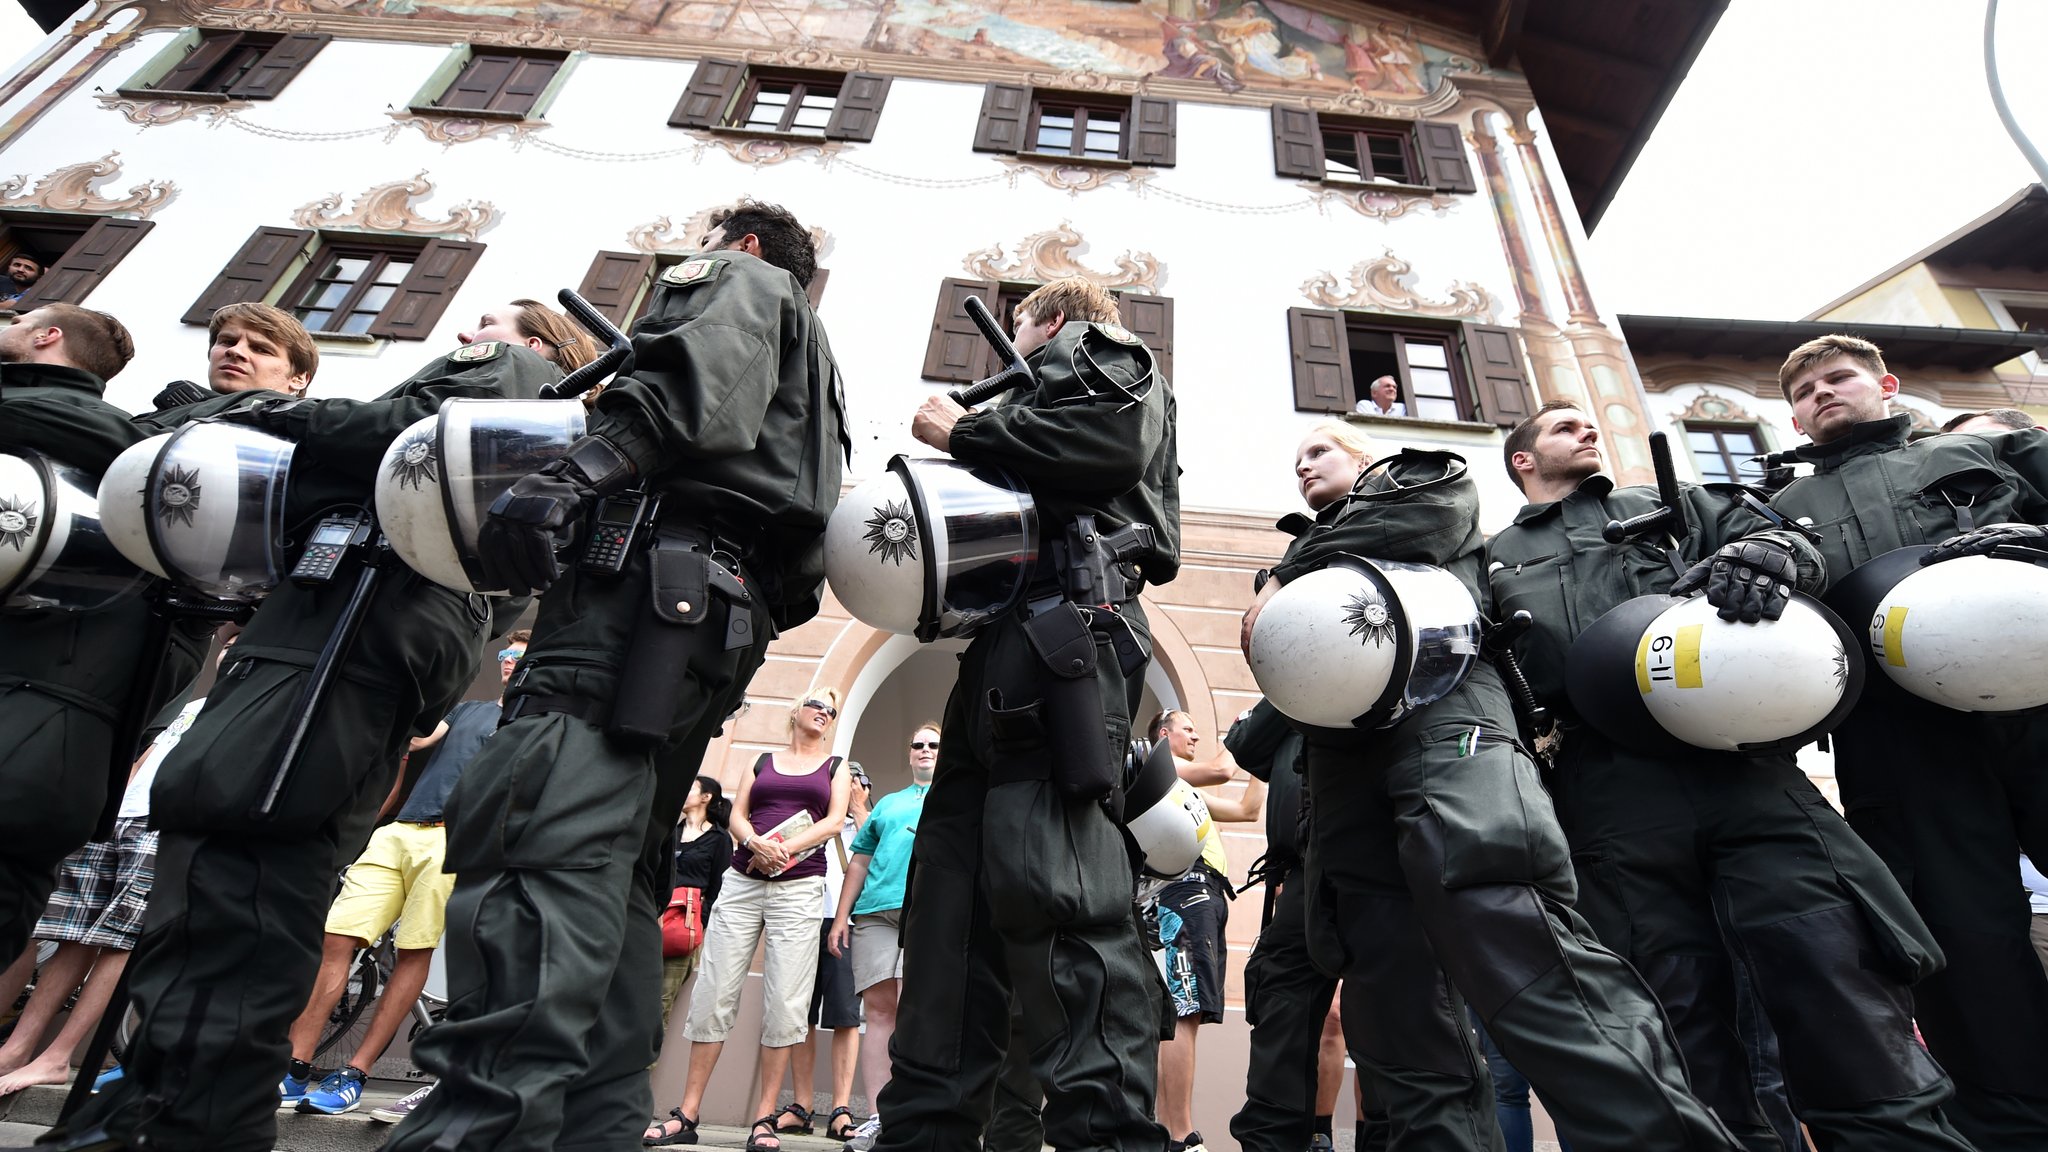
x,y
1658,841
1948,799
732,414
232,941
67,679
1435,853
1286,997
1022,881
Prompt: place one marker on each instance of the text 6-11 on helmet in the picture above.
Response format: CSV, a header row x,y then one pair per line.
x,y
54,552
203,506
1362,643
438,479
1660,674
1969,633
932,548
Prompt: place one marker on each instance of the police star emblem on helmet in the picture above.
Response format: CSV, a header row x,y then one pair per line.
x,y
17,522
414,461
1841,667
1368,617
892,532
179,498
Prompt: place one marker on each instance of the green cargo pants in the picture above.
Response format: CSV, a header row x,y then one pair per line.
x,y
556,833
1436,854
231,942
1017,889
1830,942
1286,999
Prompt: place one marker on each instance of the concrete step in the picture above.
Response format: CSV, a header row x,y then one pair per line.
x,y
26,1114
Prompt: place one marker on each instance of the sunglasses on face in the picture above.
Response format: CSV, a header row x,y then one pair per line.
x,y
511,654
924,745
821,706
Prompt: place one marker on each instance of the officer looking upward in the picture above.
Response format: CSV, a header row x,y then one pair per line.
x,y
1434,852
66,678
1947,798
1658,840
1016,885
732,418
231,944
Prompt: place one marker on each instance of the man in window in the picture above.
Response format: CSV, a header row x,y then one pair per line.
x,y
1383,400
23,270
228,959
1689,860
559,831
1953,831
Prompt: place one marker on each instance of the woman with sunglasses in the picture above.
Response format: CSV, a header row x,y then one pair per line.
x,y
787,807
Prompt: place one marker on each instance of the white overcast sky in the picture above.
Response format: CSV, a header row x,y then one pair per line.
x,y
1814,144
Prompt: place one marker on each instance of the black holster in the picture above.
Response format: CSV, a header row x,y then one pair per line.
x,y
682,579
1082,766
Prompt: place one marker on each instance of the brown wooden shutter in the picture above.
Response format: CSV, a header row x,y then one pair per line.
x,y
427,291
1297,143
815,290
522,87
860,106
212,48
710,89
1444,165
1005,108
614,282
957,354
477,84
1322,361
253,272
1150,319
86,262
1500,388
1152,132
278,66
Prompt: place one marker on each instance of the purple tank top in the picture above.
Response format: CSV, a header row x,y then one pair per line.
x,y
776,798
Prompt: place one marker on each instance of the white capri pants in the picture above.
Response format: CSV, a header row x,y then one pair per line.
x,y
748,909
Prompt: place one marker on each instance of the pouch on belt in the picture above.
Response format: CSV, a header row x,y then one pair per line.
x,y
1082,767
682,579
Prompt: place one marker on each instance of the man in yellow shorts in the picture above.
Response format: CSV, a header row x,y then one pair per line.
x,y
398,878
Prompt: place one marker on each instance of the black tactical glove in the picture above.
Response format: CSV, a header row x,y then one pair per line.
x,y
2027,539
1749,580
179,393
278,415
530,521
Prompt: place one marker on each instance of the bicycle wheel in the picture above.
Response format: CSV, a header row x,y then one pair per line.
x,y
351,1015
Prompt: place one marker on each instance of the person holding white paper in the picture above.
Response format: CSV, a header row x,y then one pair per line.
x,y
788,805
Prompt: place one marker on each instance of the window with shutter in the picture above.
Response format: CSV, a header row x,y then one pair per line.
x,y
1726,453
1152,127
615,284
1085,125
264,260
1150,319
1004,110
91,253
1441,371
497,83
957,354
367,285
1444,166
1349,150
1297,143
726,95
427,290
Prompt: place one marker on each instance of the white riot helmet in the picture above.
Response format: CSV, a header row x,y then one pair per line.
x,y
932,548
204,507
1660,673
1362,643
54,553
1166,817
1968,633
438,479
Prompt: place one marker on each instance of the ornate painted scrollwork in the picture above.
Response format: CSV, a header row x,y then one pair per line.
x,y
1383,284
74,188
390,208
660,235
152,111
1050,255
450,130
1073,179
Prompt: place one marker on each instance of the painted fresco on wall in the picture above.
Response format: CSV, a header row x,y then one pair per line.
x,y
1235,45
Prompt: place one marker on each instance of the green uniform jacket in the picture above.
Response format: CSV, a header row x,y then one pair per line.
x,y
1107,456
1553,562
1417,506
58,411
732,408
1872,492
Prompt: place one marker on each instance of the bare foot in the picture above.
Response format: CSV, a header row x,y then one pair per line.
x,y
12,1058
35,1072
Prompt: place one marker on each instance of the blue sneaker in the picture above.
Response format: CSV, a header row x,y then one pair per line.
x,y
291,1090
110,1076
339,1093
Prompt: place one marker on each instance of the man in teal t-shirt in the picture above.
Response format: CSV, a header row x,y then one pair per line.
x,y
872,899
